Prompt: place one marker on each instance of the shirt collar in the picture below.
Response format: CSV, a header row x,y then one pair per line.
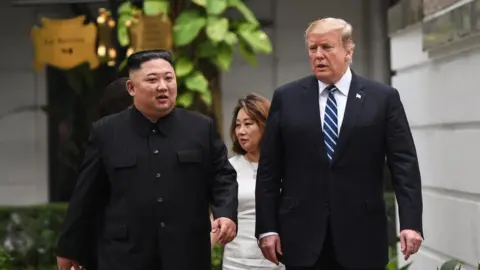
x,y
343,85
145,127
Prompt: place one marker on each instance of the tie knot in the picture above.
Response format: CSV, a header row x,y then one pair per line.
x,y
331,88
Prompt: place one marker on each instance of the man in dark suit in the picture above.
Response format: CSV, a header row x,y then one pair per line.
x,y
161,168
319,192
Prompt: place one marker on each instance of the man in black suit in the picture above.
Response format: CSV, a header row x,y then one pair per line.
x,y
319,191
155,171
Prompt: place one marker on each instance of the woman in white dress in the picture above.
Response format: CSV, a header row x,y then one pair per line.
x,y
246,131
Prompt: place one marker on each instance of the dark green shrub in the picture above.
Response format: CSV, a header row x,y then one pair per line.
x,y
28,237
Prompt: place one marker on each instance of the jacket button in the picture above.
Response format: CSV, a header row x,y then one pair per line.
x,y
155,152
162,224
157,175
160,200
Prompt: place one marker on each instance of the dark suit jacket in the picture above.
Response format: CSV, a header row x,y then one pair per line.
x,y
298,191
154,184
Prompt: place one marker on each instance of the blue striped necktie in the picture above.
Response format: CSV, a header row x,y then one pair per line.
x,y
330,123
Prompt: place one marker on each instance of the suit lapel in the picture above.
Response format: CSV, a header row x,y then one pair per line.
x,y
311,102
355,100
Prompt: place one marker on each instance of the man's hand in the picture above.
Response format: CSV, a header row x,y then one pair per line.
x,y
226,228
270,246
410,242
67,264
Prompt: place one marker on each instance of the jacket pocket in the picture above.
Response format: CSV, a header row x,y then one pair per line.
x,y
189,156
116,232
123,161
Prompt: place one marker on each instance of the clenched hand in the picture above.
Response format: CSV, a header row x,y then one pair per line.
x,y
67,264
410,242
227,230
270,246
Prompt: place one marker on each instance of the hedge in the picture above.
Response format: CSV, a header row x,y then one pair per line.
x,y
28,237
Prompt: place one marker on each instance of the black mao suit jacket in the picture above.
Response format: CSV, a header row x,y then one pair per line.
x,y
299,191
154,184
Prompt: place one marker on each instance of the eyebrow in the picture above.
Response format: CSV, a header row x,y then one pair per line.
x,y
154,73
246,119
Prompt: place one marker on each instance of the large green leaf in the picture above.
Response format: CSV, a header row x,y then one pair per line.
x,y
125,13
451,265
246,12
231,38
217,28
185,100
206,49
201,3
183,66
125,7
155,7
224,56
216,7
122,64
256,38
122,29
247,53
187,26
206,97
197,82
406,267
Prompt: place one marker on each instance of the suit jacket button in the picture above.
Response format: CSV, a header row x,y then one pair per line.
x,y
155,152
162,224
160,200
157,175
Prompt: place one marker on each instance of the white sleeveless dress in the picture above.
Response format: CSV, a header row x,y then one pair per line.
x,y
243,252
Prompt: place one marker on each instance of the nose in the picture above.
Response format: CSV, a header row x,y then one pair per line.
x,y
242,129
162,85
319,53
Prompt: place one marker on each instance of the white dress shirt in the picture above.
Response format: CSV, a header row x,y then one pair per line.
x,y
343,86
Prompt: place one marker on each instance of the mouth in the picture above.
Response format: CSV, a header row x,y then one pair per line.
x,y
321,66
162,97
243,141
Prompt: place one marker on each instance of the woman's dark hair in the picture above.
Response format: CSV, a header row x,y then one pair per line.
x,y
115,98
256,107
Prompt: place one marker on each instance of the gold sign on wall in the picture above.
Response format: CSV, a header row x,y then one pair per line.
x,y
64,43
151,32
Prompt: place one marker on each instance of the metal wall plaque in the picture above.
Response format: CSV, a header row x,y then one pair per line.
x,y
452,26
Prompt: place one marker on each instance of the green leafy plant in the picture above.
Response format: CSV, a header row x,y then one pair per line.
x,y
205,35
28,237
451,265
5,260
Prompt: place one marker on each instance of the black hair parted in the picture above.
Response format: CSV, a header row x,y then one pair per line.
x,y
135,60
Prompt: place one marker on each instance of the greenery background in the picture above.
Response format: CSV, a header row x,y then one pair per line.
x,y
206,34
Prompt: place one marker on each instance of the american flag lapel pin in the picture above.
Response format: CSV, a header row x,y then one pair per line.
x,y
358,96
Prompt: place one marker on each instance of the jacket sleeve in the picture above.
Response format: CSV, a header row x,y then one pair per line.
x,y
224,187
403,164
87,199
268,184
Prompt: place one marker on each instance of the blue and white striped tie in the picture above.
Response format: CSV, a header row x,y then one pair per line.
x,y
330,123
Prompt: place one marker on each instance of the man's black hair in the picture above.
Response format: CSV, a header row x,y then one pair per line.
x,y
115,97
135,60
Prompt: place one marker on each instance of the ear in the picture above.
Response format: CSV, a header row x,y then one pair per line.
x,y
349,53
130,88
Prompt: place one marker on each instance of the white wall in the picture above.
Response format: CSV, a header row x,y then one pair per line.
x,y
23,136
441,96
289,60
